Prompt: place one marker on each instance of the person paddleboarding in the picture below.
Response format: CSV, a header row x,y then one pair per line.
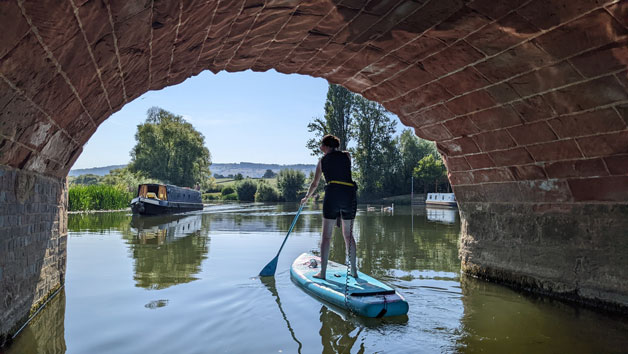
x,y
340,199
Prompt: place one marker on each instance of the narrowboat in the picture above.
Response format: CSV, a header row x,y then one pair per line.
x,y
155,199
441,199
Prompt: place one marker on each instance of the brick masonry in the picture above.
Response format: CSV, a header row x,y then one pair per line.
x,y
527,100
33,236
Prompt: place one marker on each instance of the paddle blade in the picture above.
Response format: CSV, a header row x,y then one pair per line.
x,y
270,269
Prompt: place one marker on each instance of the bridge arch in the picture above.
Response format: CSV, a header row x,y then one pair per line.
x,y
527,101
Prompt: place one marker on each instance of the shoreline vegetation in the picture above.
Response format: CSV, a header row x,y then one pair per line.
x,y
169,150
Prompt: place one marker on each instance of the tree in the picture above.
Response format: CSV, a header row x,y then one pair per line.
x,y
266,192
238,177
169,149
126,179
246,190
290,182
337,119
430,169
374,131
86,179
412,149
269,174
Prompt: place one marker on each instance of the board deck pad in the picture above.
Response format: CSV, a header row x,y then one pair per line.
x,y
336,276
367,296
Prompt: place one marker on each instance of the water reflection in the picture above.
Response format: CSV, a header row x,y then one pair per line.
x,y
113,258
168,249
45,333
269,282
442,215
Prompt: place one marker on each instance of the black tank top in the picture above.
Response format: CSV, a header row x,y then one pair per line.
x,y
336,166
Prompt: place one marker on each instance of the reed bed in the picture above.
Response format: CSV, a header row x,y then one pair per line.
x,y
98,197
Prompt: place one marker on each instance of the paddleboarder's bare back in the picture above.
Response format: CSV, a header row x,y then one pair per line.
x,y
340,199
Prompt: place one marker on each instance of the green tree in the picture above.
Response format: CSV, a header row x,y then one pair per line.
x,y
266,192
169,149
337,119
238,177
431,170
374,129
246,190
227,190
290,183
86,179
269,174
126,179
412,149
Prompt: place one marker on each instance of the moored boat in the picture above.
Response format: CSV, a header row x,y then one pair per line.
x,y
441,199
155,199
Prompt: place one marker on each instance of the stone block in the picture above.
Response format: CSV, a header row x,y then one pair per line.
x,y
463,81
533,108
495,140
556,150
600,28
588,123
586,95
496,118
434,132
598,61
470,102
617,165
479,161
458,146
527,172
461,126
532,133
453,58
576,168
606,189
545,79
516,156
604,144
503,34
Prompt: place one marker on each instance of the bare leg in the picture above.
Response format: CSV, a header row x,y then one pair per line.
x,y
328,227
350,245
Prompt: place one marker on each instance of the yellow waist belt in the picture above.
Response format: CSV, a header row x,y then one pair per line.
x,y
341,182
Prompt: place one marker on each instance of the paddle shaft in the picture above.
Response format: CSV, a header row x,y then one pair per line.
x,y
294,222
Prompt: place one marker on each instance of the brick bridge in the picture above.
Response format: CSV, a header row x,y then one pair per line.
x,y
527,101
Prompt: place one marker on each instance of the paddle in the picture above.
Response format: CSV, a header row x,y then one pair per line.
x,y
270,268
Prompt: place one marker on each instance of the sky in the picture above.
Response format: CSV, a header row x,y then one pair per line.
x,y
245,117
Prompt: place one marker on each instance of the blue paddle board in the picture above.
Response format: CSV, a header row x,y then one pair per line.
x,y
366,297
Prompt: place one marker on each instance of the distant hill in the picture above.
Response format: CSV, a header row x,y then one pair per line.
x,y
250,169
99,171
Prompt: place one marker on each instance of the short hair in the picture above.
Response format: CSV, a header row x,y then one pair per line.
x,y
330,141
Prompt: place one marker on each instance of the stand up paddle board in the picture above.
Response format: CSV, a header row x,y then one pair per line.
x,y
367,296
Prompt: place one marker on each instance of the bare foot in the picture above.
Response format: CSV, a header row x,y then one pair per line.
x,y
318,276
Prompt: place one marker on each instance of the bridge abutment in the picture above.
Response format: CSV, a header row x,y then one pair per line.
x,y
33,239
570,251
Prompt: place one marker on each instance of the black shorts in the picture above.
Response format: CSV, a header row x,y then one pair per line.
x,y
340,200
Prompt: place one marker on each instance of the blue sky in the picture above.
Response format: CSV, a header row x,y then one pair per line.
x,y
245,116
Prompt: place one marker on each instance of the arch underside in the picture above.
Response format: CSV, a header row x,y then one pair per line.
x,y
527,101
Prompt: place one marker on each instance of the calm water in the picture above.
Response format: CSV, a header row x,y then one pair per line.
x,y
187,284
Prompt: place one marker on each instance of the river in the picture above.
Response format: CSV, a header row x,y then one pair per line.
x,y
188,284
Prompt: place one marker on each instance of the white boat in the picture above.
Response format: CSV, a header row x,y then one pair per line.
x,y
441,199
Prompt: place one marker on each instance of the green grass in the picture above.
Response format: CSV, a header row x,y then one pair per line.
x,y
98,197
223,182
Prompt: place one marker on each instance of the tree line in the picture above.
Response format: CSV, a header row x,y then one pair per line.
x,y
383,164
